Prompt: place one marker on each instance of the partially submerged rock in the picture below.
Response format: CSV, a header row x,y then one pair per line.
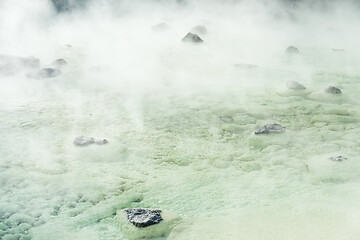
x,y
141,217
60,62
199,29
295,85
338,158
85,141
333,90
191,37
292,49
160,27
137,223
271,128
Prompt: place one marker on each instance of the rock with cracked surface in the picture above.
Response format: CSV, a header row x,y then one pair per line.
x,y
293,85
141,217
271,128
137,223
192,37
333,90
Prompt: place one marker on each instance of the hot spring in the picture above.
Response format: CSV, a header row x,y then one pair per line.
x,y
170,124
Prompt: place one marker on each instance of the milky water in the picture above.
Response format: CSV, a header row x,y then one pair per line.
x,y
180,121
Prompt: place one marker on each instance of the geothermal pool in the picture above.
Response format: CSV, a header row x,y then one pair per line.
x,y
179,119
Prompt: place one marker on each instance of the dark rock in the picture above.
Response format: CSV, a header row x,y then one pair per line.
x,y
199,29
333,90
160,27
245,66
191,37
295,85
141,217
271,128
292,49
338,158
60,62
85,141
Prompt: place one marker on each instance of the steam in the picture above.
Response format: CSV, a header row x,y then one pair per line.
x,y
176,112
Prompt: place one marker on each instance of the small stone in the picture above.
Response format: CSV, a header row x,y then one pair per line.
x,y
191,37
295,85
271,128
333,90
141,217
199,29
292,49
84,141
60,62
338,158
160,27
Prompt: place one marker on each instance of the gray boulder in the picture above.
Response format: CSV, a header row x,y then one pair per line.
x,y
295,85
292,49
191,37
271,128
333,90
141,217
